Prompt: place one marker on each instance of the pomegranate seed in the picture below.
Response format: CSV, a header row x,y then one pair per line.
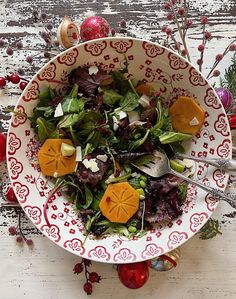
x,y
3,82
78,268
108,199
15,79
88,288
148,124
23,85
12,230
152,103
84,174
94,277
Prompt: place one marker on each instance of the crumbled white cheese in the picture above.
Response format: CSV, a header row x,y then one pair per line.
x,y
121,114
91,164
141,197
86,163
58,111
194,122
78,156
188,163
115,123
134,174
109,179
102,158
133,116
93,70
144,101
55,174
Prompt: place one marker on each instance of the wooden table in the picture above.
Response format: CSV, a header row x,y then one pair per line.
x,y
207,269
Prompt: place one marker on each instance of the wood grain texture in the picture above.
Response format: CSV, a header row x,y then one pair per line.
x,y
207,269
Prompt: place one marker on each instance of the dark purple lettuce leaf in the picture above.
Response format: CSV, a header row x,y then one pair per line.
x,y
88,84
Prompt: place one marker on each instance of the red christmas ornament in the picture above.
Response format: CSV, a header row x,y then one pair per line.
x,y
135,275
94,27
3,144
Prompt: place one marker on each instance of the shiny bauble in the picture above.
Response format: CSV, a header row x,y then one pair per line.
x,y
94,27
134,275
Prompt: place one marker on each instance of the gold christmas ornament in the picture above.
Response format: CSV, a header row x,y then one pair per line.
x,y
166,261
68,33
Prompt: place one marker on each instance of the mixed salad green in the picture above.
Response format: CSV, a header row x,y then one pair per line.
x,y
111,125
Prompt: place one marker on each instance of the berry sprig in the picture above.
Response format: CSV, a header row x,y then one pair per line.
x,y
14,79
18,232
91,277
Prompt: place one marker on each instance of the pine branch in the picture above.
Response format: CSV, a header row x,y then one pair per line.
x,y
210,229
229,80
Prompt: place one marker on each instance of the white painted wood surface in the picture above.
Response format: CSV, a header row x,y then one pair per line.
x,y
207,269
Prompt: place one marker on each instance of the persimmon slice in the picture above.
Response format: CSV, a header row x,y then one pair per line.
x,y
119,202
186,115
51,160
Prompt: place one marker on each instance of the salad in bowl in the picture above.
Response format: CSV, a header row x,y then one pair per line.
x,y
85,123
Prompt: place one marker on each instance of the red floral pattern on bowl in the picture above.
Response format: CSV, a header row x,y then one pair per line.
x,y
172,75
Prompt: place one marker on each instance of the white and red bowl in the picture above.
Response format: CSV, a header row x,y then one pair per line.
x,y
173,76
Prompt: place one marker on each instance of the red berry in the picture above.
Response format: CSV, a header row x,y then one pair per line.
x,y
12,230
113,32
87,262
29,59
183,53
108,199
232,47
2,43
207,35
29,242
134,275
9,51
19,239
199,62
189,23
167,6
23,85
216,73
19,45
88,288
168,31
78,268
94,277
169,16
204,20
201,48
163,29
3,82
14,78
10,195
219,57
122,23
3,144
181,11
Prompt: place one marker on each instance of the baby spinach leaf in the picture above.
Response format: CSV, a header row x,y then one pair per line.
x,y
45,96
88,197
70,119
45,128
129,102
71,104
122,83
169,137
110,96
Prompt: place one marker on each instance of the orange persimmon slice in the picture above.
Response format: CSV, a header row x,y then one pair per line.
x,y
186,115
146,89
51,161
119,202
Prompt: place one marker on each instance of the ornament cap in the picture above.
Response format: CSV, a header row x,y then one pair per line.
x,y
68,33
